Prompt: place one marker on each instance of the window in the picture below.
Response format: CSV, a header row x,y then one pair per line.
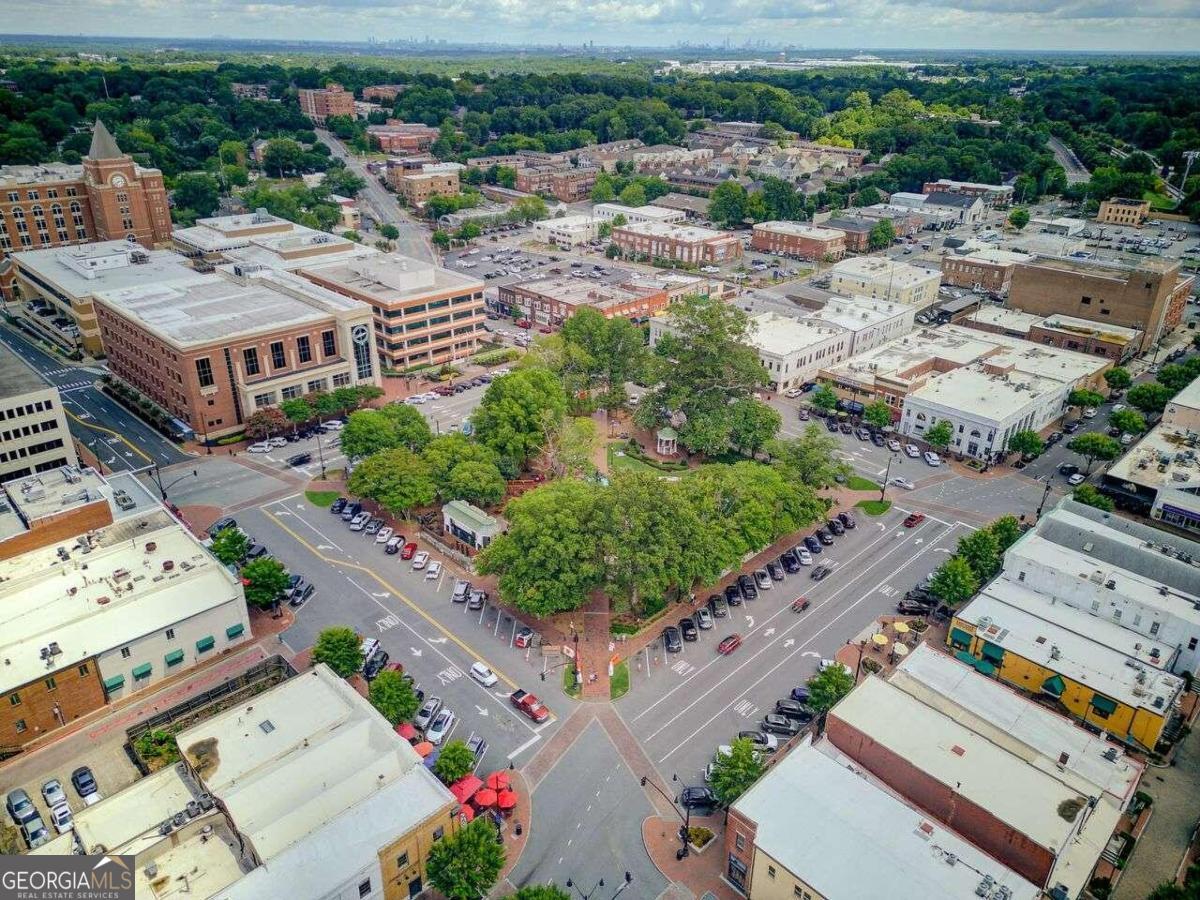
x,y
402,861
14,699
1154,628
250,358
740,841
328,344
771,871
51,684
204,372
1192,644
21,726
304,348
125,654
278,360
342,379
1095,606
261,400
83,670
438,833
364,888
170,634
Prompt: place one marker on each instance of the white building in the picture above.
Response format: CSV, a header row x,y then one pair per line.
x,y
636,215
885,279
869,322
568,231
34,436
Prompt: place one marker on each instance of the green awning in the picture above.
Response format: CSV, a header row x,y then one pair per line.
x,y
1054,686
1103,704
174,658
983,667
111,684
143,671
964,657
993,652
205,643
958,636
234,630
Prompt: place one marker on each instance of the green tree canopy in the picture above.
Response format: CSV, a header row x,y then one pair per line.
x,y
264,423
393,696
727,204
829,686
954,582
939,434
398,480
368,431
824,398
1083,398
454,762
1128,421
340,649
264,581
540,892
882,235
600,355
811,458
1086,493
1018,218
878,414
197,191
1026,442
229,545
1118,378
447,451
466,864
634,195
518,411
736,771
479,483
1094,446
981,551
752,424
1006,530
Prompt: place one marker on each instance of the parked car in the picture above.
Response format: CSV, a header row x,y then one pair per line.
x,y
912,450
338,505
794,709
704,618
762,741
60,817
359,522
697,798
819,573
442,725
350,511
733,595
428,711
762,580
461,590
85,784
746,585
420,561
434,571
687,628
773,723
804,556
1089,413
297,585
717,607
823,537
800,694
485,676
34,832
409,550
375,665
847,520
373,525
523,638
221,524
1077,478
836,527
384,534
932,459
393,545
775,570
729,644
830,663
20,807
260,447
255,551
671,640
812,545
914,520
476,599
790,562
478,747
893,445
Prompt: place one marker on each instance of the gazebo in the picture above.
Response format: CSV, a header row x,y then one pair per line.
x,y
667,441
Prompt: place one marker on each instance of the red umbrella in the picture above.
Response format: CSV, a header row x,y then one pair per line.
x,y
406,731
506,799
466,813
424,749
464,789
484,798
498,781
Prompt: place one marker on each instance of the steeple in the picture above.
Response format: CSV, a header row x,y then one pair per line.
x,y
104,146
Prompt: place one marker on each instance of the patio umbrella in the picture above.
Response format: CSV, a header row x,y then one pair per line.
x,y
406,731
423,749
466,813
464,789
431,760
484,798
901,628
900,650
879,640
498,781
506,799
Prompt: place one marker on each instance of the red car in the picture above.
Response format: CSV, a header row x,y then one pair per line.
x,y
800,604
409,549
914,520
546,329
729,644
523,323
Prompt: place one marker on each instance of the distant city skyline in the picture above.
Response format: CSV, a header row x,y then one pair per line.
x,y
1035,25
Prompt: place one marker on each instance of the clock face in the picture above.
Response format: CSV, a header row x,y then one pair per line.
x,y
118,181
360,334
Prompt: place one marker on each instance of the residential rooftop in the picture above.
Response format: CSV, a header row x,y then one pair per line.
x,y
799,229
836,829
685,202
82,270
392,279
16,377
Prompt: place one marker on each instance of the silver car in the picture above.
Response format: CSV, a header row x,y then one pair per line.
x,y
428,711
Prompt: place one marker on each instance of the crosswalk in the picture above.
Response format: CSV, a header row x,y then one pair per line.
x,y
74,386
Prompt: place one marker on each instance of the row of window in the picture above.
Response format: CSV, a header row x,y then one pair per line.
x,y
31,450
28,409
268,398
51,194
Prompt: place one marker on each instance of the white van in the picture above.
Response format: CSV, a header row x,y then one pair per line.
x,y
481,673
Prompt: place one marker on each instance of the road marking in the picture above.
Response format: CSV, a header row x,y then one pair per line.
x,y
109,431
525,746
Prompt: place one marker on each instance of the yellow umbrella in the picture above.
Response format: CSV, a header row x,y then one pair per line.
x,y
901,628
879,640
900,650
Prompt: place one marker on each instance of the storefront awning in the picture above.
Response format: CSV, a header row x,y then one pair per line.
x,y
112,684
993,652
958,636
143,671
206,643
174,658
1103,704
1054,686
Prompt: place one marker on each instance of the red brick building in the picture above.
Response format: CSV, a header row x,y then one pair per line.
x,y
321,103
682,243
551,301
799,240
989,270
569,185
385,93
402,137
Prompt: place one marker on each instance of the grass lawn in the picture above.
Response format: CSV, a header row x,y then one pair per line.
x,y
618,685
858,483
570,688
874,507
323,499
618,462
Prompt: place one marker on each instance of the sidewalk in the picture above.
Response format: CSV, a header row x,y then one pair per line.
x,y
698,873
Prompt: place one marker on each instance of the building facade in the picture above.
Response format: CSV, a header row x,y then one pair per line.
x,y
682,243
562,182
635,215
984,270
321,103
417,187
799,240
885,279
551,301
34,436
568,231
990,194
402,137
1123,211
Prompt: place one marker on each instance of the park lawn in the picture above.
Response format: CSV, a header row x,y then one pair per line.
x,y
570,688
323,499
874,507
618,685
858,483
618,462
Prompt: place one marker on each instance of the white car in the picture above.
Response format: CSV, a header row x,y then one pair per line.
x,y
1089,413
383,535
434,570
1117,407
334,425
277,442
792,393
420,560
893,445
829,664
359,522
1126,439
903,483
260,447
485,676
1077,478
418,400
442,725
911,450
804,556
60,818
932,458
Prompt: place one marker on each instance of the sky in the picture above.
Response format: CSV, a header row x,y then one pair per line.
x,y
1144,25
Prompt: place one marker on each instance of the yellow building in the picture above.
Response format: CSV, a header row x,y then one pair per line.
x,y
1106,676
1123,211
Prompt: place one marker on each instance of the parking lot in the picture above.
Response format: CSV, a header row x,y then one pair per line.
x,y
381,596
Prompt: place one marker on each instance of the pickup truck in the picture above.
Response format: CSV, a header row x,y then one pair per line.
x,y
529,705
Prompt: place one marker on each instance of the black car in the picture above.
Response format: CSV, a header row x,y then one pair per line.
x,y
819,573
747,587
794,709
847,520
697,797
790,562
338,505
775,570
877,438
375,664
823,536
350,510
671,639
733,596
299,459
687,627
846,428
831,425
84,781
774,723
800,694
1068,469
836,527
221,524
256,550
813,545
1072,426
1053,438
717,607
913,608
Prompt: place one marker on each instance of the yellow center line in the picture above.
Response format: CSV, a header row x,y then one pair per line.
x,y
370,572
108,431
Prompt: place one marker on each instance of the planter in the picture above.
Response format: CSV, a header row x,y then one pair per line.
x,y
699,839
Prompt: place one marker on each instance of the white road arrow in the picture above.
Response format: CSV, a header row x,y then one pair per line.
x,y
749,621
919,541
325,547
380,596
441,640
811,653
503,695
942,550
415,651
789,642
882,527
768,632
481,710
282,512
299,506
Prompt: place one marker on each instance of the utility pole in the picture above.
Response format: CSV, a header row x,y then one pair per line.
x,y
1191,156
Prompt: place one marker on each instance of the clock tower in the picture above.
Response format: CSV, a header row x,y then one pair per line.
x,y
128,202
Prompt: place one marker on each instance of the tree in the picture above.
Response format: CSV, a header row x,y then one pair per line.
x,y
1093,446
454,762
752,424
981,550
441,239
599,356
1084,399
878,414
398,480
954,582
727,204
1118,378
298,410
466,864
446,451
343,181
1175,378
570,448
824,398
393,696
1018,218
530,209
810,459
882,235
735,772
868,196
264,581
549,560
517,412
1006,530
396,425
939,434
480,483
634,195
1086,493
1149,397
340,649
602,190
229,545
537,892
281,156
1026,442
265,423
1127,421
197,191
389,231
829,686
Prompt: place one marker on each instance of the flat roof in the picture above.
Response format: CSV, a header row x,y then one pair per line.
x,y
1104,331
994,256
298,757
858,312
30,174
646,211
1087,649
1029,357
948,198
127,821
686,202
577,221
82,270
1017,723
799,229
1001,317
98,599
219,233
874,269
581,292
835,829
393,278
676,232
1104,268
17,377
1188,397
221,308
907,352
26,499
781,335
996,396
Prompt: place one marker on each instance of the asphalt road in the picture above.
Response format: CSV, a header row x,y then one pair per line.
x,y
120,440
437,641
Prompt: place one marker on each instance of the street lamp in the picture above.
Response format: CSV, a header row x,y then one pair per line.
x,y
158,479
685,818
587,895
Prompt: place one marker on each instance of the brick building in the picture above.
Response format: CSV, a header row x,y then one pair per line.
x,y
799,240
402,137
1123,211
215,350
988,270
989,194
321,103
385,93
564,183
551,301
857,231
1084,336
1150,295
33,429
260,92
417,187
682,243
